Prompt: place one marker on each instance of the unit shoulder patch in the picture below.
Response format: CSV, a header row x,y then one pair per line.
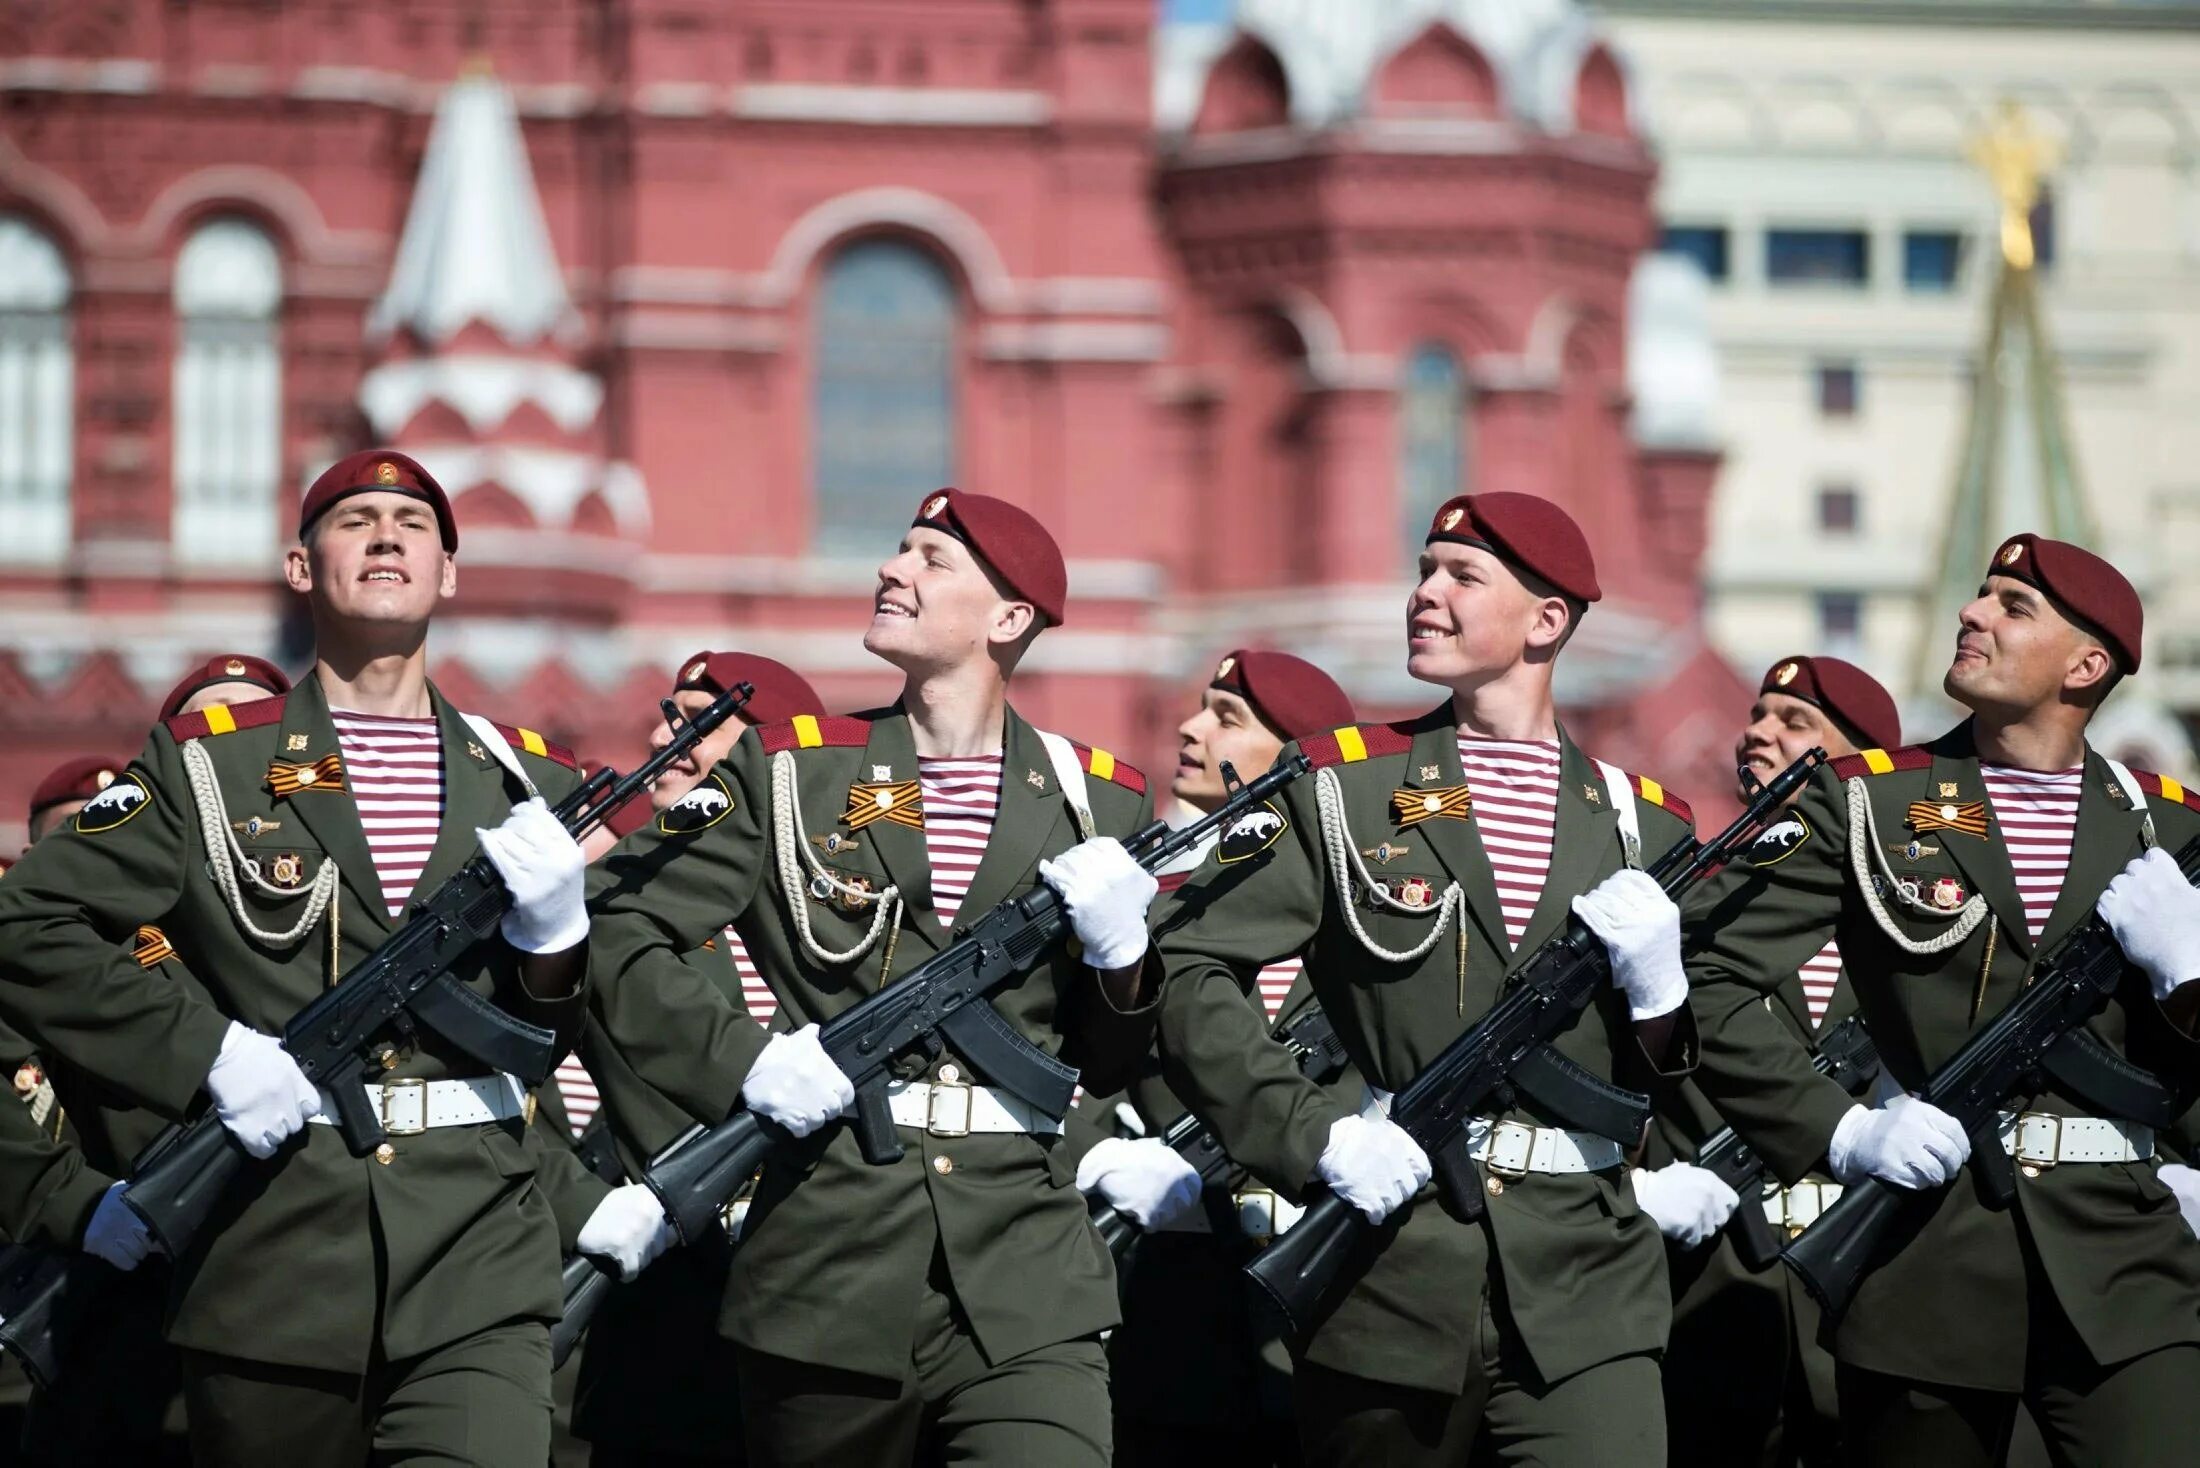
x,y
226,718
527,741
701,808
1778,841
1653,793
1102,765
1356,742
1882,761
1252,833
2166,787
807,731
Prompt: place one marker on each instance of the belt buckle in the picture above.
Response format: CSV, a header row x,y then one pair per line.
x,y
1795,1220
2024,1149
1256,1213
932,1123
1510,1138
393,1088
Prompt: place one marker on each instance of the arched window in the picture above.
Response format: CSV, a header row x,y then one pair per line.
x,y
37,394
228,406
1433,447
883,423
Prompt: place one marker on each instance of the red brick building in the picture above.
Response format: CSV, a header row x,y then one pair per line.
x,y
689,304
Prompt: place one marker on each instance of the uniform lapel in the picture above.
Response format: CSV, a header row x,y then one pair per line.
x,y
1032,806
900,849
2106,838
1456,843
332,816
1584,846
477,793
1985,860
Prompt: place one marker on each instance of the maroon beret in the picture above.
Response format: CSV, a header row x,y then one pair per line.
x,y
1526,532
224,667
378,470
77,779
2087,589
1009,540
1845,692
1291,695
780,692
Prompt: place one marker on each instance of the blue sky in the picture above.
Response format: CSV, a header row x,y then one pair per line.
x,y
1195,9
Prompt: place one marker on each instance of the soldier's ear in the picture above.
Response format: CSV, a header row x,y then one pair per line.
x,y
298,568
449,586
2092,670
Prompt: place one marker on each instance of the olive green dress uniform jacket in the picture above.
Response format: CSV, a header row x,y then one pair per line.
x,y
1685,1117
1580,1268
1949,1305
835,1252
322,1258
48,1189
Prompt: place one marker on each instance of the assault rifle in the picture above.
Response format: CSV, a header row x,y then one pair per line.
x,y
943,998
349,1036
1313,1043
1845,1055
1507,1055
2040,1035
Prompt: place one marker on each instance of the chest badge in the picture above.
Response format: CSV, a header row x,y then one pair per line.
x,y
898,802
480,755
1414,892
252,827
1947,894
833,843
1384,853
287,777
1968,820
1035,780
288,869
1589,793
1451,803
295,743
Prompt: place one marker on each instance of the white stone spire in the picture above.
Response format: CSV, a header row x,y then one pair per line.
x,y
475,246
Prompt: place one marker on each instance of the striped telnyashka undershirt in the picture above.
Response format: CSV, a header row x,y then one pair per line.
x,y
961,799
2038,815
394,770
1821,975
1515,796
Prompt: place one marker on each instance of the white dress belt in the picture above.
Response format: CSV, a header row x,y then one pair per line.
x,y
1797,1208
2041,1139
954,1109
1514,1149
410,1107
1262,1215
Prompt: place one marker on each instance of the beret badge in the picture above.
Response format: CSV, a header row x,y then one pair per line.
x,y
1786,675
385,473
934,505
2010,556
1452,517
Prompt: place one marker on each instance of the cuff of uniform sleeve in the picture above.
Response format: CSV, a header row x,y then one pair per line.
x,y
572,1191
1800,1149
196,1043
65,1215
1682,1050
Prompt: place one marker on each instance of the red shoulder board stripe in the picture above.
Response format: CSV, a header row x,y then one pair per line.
x,y
226,718
529,742
1882,761
1661,797
1355,742
2160,787
807,732
1102,765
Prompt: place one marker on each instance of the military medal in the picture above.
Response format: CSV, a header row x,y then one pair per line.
x,y
1415,892
1947,894
854,894
287,778
287,870
28,1078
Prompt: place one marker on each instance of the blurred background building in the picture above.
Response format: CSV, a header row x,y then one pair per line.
x,y
690,303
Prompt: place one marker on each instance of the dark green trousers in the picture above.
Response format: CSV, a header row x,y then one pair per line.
x,y
1609,1416
117,1399
656,1377
483,1400
1048,1406
1746,1381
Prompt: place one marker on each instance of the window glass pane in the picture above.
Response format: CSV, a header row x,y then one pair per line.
x,y
1839,512
1930,258
37,395
1432,453
1704,244
228,395
883,423
1837,389
1817,257
1840,616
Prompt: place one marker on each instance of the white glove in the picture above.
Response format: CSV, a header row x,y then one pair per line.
x,y
2155,914
1106,894
795,1083
2185,1183
629,1228
116,1234
1372,1164
1907,1142
544,868
258,1090
1641,928
1686,1202
1143,1180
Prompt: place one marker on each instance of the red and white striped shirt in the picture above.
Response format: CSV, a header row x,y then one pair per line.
x,y
1514,785
961,799
1821,975
394,769
2038,816
1275,983
755,993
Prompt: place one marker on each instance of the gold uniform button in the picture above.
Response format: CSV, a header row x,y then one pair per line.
x,y
1497,1187
943,1164
950,1074
385,1154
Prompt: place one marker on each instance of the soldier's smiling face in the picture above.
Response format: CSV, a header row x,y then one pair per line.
x,y
938,606
1472,618
375,558
684,774
1225,728
1781,729
2016,651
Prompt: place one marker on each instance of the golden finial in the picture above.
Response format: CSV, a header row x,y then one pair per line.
x,y
2015,158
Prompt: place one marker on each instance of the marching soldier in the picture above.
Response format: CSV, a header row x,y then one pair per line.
x,y
338,1307
655,1374
948,1304
1746,1380
1419,865
1197,1377
1943,872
